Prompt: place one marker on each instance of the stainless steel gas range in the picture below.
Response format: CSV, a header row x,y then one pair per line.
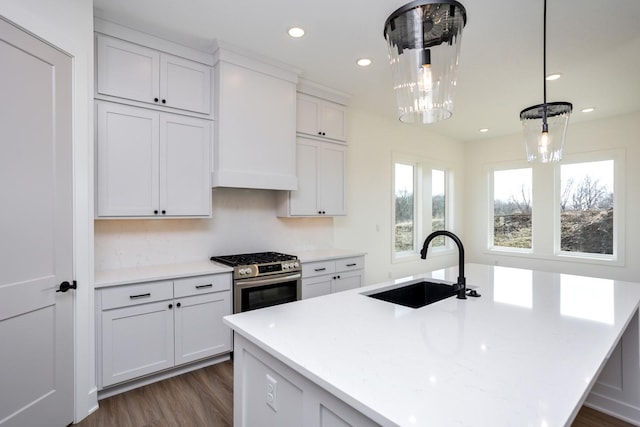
x,y
263,279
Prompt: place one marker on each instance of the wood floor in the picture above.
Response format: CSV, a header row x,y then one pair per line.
x,y
204,398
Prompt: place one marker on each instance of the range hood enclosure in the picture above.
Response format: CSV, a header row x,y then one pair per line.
x,y
255,123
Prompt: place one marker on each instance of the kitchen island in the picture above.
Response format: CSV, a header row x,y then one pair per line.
x,y
525,353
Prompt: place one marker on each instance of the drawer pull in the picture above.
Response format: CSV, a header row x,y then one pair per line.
x,y
352,265
210,285
140,296
320,269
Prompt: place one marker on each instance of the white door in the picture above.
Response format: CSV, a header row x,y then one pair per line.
x,y
331,178
36,248
304,200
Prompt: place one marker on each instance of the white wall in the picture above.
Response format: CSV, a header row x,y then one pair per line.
x,y
611,133
243,221
68,25
368,225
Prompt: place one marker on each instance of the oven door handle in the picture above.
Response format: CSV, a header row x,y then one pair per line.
x,y
268,281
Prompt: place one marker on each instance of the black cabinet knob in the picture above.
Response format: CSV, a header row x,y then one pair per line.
x,y
164,101
155,100
164,212
178,305
319,133
323,134
155,212
65,286
170,306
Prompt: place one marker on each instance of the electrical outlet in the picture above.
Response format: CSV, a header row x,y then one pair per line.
x,y
272,392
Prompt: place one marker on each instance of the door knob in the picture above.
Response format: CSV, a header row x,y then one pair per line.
x,y
65,286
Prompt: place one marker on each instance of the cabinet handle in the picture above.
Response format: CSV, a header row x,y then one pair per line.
x,y
155,100
178,305
164,101
170,306
338,277
323,134
320,269
140,296
352,265
155,212
164,212
323,212
319,133
210,285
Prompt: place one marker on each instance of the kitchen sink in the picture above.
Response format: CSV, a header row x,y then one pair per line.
x,y
416,295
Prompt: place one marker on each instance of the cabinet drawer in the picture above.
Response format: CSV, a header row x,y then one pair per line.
x,y
139,293
318,268
346,264
201,284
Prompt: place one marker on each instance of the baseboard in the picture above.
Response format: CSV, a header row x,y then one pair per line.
x,y
615,408
130,385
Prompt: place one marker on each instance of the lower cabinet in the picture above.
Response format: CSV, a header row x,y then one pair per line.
x,y
145,328
329,276
267,392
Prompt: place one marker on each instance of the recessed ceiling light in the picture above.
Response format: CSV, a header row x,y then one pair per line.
x,y
555,76
484,130
363,62
588,110
296,32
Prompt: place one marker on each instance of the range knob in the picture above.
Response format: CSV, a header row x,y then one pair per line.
x,y
296,264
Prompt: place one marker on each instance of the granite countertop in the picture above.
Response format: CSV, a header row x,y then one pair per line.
x,y
124,276
526,353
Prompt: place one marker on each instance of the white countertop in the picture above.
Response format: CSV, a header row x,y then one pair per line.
x,y
524,354
326,254
123,276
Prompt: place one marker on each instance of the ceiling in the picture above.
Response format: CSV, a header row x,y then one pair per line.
x,y
595,44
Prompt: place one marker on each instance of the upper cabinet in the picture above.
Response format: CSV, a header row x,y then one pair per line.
x,y
151,163
130,71
321,118
255,133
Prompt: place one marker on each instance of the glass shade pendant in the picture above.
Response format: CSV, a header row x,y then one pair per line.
x,y
545,128
545,125
424,38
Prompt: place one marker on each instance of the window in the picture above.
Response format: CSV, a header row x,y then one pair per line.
x,y
405,209
579,209
419,206
586,207
512,208
438,205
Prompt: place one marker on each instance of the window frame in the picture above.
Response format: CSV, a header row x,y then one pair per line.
x,y
546,210
617,258
422,206
491,214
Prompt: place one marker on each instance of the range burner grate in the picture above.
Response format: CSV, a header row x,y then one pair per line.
x,y
252,258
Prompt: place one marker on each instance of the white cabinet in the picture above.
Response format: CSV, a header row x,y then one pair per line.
x,y
130,71
148,327
321,181
321,118
254,143
151,163
332,275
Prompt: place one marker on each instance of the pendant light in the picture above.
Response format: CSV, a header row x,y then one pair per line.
x,y
424,38
545,125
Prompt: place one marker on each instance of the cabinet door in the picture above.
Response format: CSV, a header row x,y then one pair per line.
x,y
333,121
200,331
316,286
308,115
127,70
331,180
185,174
304,200
185,84
136,341
128,159
347,280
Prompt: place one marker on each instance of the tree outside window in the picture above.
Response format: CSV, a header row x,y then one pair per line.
x,y
512,208
404,208
586,207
